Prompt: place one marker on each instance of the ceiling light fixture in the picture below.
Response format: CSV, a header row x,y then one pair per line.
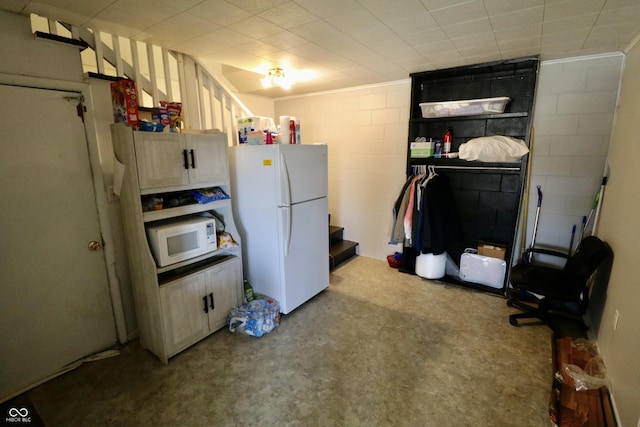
x,y
276,77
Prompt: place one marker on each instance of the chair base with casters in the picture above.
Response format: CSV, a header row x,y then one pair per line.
x,y
545,293
543,310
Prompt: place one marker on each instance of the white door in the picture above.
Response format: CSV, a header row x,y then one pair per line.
x,y
55,306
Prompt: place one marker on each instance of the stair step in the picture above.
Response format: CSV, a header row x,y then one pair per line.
x,y
341,251
335,233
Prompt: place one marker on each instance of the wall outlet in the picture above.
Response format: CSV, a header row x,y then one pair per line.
x,y
616,318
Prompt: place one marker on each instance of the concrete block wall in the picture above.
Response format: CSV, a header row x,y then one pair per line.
x,y
574,109
366,131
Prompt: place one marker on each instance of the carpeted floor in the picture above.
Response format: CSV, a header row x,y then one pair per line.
x,y
378,348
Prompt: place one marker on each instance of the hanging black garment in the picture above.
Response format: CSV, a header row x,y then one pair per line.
x,y
439,230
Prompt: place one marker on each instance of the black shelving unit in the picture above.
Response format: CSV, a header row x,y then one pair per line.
x,y
488,195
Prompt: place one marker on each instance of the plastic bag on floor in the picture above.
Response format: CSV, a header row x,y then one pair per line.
x,y
255,318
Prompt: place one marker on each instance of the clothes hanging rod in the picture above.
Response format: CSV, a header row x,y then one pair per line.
x,y
502,168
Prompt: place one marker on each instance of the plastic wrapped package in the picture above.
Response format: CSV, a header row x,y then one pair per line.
x,y
207,195
593,376
255,318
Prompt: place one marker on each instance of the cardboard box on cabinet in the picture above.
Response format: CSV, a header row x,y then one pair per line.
x,y
124,99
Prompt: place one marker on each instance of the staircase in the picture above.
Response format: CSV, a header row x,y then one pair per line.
x,y
340,250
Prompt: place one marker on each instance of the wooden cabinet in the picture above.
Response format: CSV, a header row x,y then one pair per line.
x,y
170,300
179,160
198,304
487,195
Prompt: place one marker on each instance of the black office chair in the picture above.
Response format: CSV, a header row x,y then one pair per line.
x,y
542,291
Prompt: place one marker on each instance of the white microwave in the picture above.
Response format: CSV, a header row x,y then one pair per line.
x,y
181,239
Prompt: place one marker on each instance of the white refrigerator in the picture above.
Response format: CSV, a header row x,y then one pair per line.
x,y
280,203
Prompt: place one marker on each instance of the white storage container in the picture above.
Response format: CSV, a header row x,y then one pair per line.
x,y
468,107
483,270
430,266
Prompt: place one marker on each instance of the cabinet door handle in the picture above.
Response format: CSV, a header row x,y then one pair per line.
x,y
193,158
206,307
213,306
185,158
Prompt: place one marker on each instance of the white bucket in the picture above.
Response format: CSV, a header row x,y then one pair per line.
x,y
430,266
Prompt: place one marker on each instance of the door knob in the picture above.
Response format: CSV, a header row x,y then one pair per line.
x,y
94,246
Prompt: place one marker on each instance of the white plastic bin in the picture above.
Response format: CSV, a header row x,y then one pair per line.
x,y
467,107
430,266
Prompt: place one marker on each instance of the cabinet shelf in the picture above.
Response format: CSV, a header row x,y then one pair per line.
x,y
191,261
176,271
468,166
472,117
184,210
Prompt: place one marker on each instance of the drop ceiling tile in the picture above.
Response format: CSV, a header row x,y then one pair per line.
x,y
469,11
441,4
255,27
220,39
354,22
617,16
477,40
392,10
428,35
616,4
524,32
569,24
517,19
219,12
288,15
480,59
430,49
579,35
257,48
499,7
411,24
566,48
520,52
313,31
179,28
468,28
284,40
326,8
519,44
256,6
567,9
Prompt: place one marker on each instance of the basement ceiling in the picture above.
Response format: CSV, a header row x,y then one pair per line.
x,y
333,44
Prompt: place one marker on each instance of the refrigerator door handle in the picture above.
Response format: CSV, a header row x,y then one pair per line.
x,y
286,226
285,185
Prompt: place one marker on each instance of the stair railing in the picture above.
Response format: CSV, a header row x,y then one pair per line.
x,y
160,75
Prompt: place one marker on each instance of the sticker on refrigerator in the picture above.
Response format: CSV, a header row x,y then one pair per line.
x,y
266,162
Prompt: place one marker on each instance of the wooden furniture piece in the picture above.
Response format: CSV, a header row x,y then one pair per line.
x,y
569,407
488,195
179,304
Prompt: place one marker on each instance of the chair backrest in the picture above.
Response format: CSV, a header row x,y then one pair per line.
x,y
586,260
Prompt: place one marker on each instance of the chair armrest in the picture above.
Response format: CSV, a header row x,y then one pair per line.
x,y
526,256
